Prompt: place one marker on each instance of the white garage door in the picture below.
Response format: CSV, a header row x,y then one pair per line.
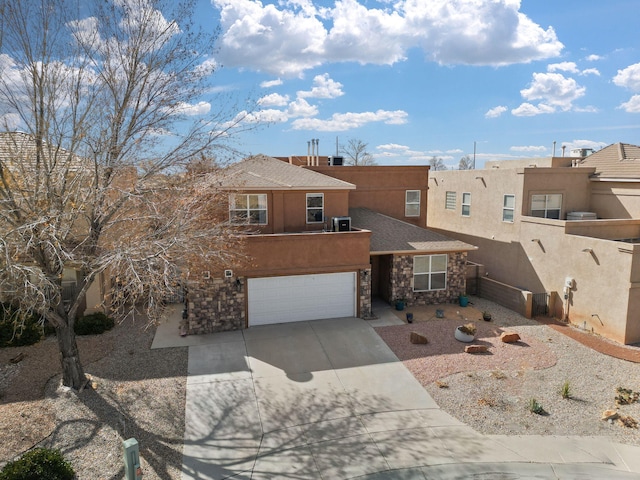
x,y
301,297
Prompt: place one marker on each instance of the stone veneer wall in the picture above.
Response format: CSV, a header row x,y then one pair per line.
x,y
402,276
365,293
215,305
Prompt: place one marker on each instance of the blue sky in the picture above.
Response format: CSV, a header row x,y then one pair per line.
x,y
421,78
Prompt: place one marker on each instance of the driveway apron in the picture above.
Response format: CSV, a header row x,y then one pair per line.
x,y
327,399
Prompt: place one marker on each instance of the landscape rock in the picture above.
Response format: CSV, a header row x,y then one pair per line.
x,y
475,348
509,337
609,415
418,338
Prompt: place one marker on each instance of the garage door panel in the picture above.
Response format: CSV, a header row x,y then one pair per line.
x,y
301,297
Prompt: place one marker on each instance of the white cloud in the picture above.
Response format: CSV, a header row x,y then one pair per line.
x,y
554,90
324,87
629,78
288,38
632,106
495,112
593,58
274,100
529,110
590,71
271,83
570,67
392,146
10,121
583,144
200,108
528,148
347,121
301,108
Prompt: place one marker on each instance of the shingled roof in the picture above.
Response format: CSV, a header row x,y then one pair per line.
x,y
617,161
390,235
261,172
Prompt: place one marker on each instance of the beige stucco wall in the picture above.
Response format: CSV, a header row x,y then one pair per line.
x,y
615,199
538,254
572,183
601,269
487,188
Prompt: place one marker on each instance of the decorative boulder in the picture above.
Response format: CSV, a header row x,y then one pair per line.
x,y
510,337
609,415
418,338
475,348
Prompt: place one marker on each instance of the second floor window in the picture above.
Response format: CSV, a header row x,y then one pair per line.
x,y
450,201
466,204
315,207
412,203
508,207
546,206
248,209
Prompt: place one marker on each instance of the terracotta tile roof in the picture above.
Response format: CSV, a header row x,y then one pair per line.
x,y
393,235
619,160
261,172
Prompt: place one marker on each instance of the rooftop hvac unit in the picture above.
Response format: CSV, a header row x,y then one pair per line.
x,y
336,160
341,224
581,216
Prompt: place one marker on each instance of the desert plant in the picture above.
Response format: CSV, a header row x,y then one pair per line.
x,y
18,330
469,329
38,464
93,324
535,407
565,390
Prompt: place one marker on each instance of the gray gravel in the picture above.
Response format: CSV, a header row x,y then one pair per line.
x,y
137,393
496,401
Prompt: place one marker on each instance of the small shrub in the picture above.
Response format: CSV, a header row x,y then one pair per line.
x,y
565,390
498,374
469,329
38,464
93,324
16,330
535,407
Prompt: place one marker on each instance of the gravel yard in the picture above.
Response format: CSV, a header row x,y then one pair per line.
x,y
491,392
139,392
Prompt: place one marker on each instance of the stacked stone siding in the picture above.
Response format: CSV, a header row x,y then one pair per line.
x,y
365,294
402,277
215,305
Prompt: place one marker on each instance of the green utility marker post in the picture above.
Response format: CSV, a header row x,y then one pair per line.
x,y
131,455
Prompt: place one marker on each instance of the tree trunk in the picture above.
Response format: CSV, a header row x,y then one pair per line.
x,y
72,371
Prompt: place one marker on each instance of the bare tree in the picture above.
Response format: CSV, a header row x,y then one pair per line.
x,y
436,163
356,153
466,163
105,95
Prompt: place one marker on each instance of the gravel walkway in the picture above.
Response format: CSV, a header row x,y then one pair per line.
x,y
491,392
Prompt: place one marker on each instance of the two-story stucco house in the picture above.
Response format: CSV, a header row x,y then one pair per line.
x,y
323,240
566,229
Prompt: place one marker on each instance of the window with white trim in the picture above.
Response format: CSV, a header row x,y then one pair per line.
x,y
546,206
412,203
450,200
508,207
429,272
315,207
466,204
248,209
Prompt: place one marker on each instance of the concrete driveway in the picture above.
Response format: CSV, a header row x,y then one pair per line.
x,y
329,400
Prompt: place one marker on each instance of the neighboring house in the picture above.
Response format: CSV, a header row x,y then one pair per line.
x,y
317,248
566,229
